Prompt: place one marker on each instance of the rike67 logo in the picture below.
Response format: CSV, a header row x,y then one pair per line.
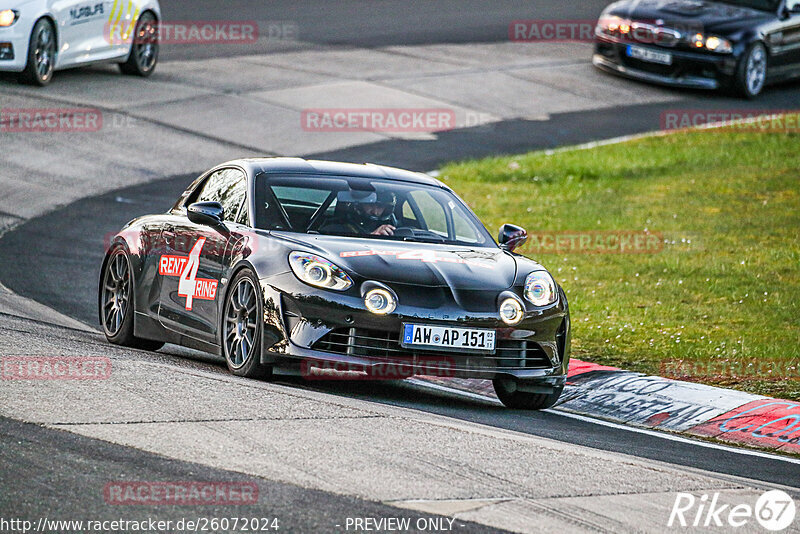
x,y
185,267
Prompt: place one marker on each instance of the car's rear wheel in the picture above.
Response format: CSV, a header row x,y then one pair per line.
x,y
242,326
751,72
144,49
117,303
41,54
511,397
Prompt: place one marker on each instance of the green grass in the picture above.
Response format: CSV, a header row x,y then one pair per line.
x,y
725,288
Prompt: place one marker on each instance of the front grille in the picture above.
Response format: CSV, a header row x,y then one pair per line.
x,y
650,34
384,346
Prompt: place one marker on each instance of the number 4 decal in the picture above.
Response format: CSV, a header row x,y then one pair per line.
x,y
189,285
427,256
188,280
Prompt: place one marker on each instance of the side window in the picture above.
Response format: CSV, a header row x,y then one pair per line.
x,y
464,230
229,188
243,219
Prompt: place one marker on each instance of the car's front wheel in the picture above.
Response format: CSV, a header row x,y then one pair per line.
x,y
751,72
144,49
242,326
117,303
41,54
508,393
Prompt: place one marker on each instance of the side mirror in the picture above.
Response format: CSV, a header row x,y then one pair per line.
x,y
207,213
511,236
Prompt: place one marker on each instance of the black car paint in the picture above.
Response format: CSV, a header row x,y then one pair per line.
x,y
778,30
297,315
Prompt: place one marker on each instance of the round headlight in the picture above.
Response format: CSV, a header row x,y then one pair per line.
x,y
511,311
540,288
317,272
380,301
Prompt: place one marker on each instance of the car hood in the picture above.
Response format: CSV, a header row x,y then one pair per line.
x,y
705,16
420,264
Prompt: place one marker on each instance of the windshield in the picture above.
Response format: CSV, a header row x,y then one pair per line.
x,y
365,207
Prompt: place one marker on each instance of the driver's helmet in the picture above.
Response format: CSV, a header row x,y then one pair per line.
x,y
374,208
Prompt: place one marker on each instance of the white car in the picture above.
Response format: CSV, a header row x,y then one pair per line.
x,y
38,37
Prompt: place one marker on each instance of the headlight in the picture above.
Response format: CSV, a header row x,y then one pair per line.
x,y
718,44
712,43
319,272
511,311
613,24
8,17
540,288
380,301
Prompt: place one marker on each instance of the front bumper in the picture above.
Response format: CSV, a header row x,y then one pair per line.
x,y
15,37
305,327
692,70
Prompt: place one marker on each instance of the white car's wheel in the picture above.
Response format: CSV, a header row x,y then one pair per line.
x,y
144,49
41,54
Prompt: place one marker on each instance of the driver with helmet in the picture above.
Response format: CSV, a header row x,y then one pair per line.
x,y
367,213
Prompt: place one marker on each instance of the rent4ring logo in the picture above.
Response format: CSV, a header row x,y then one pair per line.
x,y
185,267
774,510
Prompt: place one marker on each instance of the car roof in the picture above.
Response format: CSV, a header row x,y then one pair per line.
x,y
295,166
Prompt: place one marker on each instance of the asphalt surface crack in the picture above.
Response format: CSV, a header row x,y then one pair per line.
x,y
224,420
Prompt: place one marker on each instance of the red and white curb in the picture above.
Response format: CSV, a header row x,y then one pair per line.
x,y
660,403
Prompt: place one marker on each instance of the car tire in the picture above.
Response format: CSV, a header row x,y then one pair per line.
x,y
117,306
751,72
143,56
41,54
242,327
506,390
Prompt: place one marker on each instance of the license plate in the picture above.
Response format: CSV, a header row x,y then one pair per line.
x,y
652,56
448,338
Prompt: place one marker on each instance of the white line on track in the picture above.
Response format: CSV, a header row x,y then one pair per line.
x,y
654,433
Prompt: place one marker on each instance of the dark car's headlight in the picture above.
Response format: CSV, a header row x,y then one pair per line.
x,y
8,17
613,25
540,288
713,43
317,271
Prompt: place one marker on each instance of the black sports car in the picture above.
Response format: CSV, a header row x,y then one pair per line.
x,y
737,44
308,265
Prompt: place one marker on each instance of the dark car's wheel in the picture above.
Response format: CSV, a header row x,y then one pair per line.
x,y
506,390
144,49
41,54
751,72
242,326
117,304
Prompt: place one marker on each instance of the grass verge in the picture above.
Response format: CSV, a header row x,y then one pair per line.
x,y
718,301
